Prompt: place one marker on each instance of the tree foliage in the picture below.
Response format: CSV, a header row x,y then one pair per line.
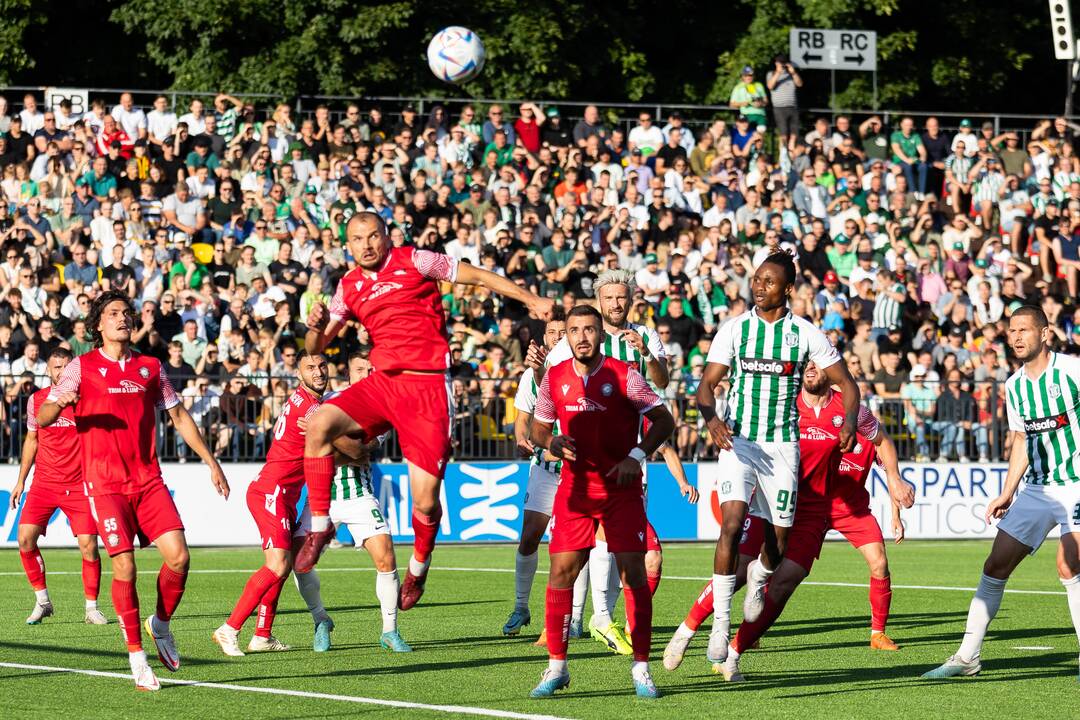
x,y
15,17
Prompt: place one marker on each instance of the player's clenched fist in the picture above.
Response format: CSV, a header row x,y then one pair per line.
x,y
542,308
562,447
628,470
65,399
535,356
317,316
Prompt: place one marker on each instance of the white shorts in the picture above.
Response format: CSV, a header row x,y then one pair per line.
x,y
540,492
361,515
1038,508
764,475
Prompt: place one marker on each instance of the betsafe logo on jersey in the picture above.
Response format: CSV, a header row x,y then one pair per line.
x,y
766,366
1046,424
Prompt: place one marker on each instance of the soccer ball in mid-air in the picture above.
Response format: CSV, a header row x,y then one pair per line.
x,y
456,54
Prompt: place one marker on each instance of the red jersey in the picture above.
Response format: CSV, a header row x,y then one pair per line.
x,y
400,306
285,461
116,418
819,444
57,464
855,467
601,412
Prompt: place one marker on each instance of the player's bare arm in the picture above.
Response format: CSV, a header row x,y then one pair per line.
x,y
657,367
675,467
661,425
839,376
561,447
525,448
471,275
706,399
321,330
29,452
901,492
51,409
1018,466
188,430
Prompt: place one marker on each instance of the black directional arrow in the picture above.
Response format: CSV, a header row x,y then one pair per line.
x,y
854,58
807,57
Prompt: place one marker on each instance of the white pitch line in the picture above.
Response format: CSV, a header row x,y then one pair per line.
x,y
689,578
1033,647
460,709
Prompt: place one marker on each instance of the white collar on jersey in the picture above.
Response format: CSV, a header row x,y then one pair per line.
x,y
120,361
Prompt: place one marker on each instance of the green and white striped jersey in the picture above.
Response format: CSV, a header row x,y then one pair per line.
x,y
765,362
525,401
618,348
1047,411
351,482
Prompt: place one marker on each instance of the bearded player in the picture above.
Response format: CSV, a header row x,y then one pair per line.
x,y
598,403
639,346
394,293
763,351
1043,401
53,452
832,495
353,503
116,394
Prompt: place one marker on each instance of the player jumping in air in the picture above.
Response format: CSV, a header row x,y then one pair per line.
x,y
598,403
354,504
1043,401
394,293
53,452
116,394
762,352
832,494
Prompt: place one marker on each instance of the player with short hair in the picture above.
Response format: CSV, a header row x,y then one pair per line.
x,y
540,491
1043,401
832,494
116,394
394,293
53,452
762,352
353,503
272,500
598,403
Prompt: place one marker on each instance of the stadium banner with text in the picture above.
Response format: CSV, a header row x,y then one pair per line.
x,y
482,502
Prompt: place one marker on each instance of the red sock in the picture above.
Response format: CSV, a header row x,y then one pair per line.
x,y
260,581
654,582
880,599
425,528
702,608
268,609
170,588
126,603
557,611
34,565
91,578
750,632
639,618
319,472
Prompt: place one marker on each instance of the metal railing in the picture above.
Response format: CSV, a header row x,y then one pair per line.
x,y
241,429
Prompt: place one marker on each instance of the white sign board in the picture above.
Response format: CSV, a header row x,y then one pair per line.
x,y
833,49
80,99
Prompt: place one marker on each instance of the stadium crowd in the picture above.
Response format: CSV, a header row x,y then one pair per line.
x,y
224,224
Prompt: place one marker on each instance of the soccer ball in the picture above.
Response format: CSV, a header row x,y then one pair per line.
x,y
456,54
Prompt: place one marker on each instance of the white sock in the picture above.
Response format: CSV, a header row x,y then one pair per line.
x,y
524,572
417,568
1072,593
581,592
91,604
639,666
683,631
984,607
137,659
387,586
732,662
558,666
319,523
599,568
723,587
42,595
311,590
758,574
614,587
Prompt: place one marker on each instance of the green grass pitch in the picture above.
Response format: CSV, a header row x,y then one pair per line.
x,y
815,662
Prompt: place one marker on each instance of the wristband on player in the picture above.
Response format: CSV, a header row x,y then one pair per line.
x,y
637,454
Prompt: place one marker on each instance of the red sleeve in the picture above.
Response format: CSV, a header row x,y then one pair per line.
x,y
638,392
435,265
31,415
544,410
339,311
69,380
868,424
167,397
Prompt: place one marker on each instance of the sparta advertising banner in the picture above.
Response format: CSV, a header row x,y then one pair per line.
x,y
482,503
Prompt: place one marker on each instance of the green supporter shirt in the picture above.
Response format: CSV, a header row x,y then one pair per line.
x,y
746,93
908,145
843,263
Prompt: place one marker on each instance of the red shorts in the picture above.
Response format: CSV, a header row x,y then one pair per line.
x,y
576,516
652,540
42,501
417,405
753,536
816,516
149,514
274,513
